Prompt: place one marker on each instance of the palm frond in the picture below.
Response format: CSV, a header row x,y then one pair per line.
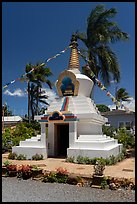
x,y
42,101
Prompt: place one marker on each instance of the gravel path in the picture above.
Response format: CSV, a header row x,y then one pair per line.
x,y
15,190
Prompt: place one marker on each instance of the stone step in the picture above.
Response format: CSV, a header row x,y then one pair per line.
x,y
98,144
36,137
30,143
95,139
84,137
32,139
113,146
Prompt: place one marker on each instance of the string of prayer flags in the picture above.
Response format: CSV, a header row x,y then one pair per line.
x,y
42,64
102,87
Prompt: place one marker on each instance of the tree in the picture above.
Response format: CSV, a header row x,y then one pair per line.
x,y
38,76
102,108
41,75
7,112
122,95
101,31
35,98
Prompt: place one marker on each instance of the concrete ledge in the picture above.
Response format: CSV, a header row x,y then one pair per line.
x,y
30,151
91,153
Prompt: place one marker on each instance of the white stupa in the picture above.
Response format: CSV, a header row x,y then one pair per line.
x,y
74,122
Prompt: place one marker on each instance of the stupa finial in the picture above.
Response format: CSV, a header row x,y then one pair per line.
x,y
74,59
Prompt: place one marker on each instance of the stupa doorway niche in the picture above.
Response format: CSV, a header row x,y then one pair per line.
x,y
61,139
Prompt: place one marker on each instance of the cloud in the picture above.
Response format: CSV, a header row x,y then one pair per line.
x,y
130,104
50,93
17,92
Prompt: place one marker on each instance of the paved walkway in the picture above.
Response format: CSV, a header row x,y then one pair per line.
x,y
125,168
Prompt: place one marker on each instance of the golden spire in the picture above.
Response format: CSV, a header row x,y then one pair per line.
x,y
74,59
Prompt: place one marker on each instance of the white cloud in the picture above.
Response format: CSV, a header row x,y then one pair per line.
x,y
130,104
50,93
17,92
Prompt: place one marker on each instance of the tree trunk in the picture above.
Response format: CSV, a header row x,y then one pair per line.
x,y
29,102
37,102
32,111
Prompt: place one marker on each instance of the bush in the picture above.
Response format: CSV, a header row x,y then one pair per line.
x,y
109,131
70,159
21,157
60,176
6,163
127,139
24,130
7,139
24,171
80,160
111,160
104,184
12,155
37,157
49,177
93,160
34,125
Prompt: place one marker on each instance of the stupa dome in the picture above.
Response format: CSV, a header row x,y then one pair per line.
x,y
82,84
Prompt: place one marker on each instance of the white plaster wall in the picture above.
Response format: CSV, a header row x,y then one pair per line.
x,y
85,85
30,151
43,134
72,133
50,139
91,153
89,129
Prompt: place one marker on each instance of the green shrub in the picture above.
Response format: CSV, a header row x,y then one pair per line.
x,y
70,159
61,175
112,159
80,160
35,168
6,163
86,160
37,157
61,178
21,157
7,139
12,155
24,130
104,184
83,160
51,177
109,130
126,138
34,125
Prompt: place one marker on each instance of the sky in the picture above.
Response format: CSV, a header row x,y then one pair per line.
x,y
36,31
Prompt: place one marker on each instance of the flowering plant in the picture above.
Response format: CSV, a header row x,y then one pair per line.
x,y
61,170
24,171
99,167
11,167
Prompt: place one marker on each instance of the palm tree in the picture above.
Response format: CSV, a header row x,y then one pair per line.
x,y
7,112
121,95
35,98
101,31
38,76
